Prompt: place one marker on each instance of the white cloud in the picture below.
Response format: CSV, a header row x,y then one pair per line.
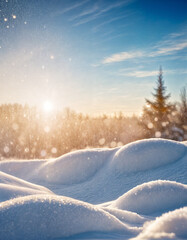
x,y
119,57
132,72
116,5
86,20
170,49
110,21
86,12
98,12
141,74
170,46
175,35
70,8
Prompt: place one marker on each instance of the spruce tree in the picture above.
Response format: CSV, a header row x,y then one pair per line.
x,y
156,112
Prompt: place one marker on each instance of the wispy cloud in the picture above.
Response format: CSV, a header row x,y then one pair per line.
x,y
171,46
115,5
86,20
132,72
86,12
170,49
141,74
110,21
119,57
97,12
70,8
174,35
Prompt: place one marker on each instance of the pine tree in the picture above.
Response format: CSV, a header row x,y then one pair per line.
x,y
156,113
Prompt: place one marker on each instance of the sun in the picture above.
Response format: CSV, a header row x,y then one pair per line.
x,y
48,106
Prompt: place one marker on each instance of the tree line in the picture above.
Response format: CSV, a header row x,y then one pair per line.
x,y
27,133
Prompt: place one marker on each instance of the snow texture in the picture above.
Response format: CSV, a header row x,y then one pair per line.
x,y
11,187
53,217
121,193
153,197
171,225
147,154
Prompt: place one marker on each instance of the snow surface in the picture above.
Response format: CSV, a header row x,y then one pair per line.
x,y
121,193
171,225
54,217
147,154
160,196
11,187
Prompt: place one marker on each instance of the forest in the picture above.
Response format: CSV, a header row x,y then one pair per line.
x,y
28,133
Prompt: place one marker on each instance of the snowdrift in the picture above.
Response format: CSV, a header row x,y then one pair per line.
x,y
80,166
11,187
171,225
100,175
47,217
147,154
97,194
73,168
153,197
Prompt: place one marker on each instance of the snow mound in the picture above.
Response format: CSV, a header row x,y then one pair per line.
x,y
172,225
21,168
126,216
73,167
84,165
11,187
51,217
153,197
97,176
11,191
147,154
9,179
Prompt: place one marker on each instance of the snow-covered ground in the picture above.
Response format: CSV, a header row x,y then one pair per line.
x,y
137,191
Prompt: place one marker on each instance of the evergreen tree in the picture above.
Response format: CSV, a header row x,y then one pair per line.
x,y
156,113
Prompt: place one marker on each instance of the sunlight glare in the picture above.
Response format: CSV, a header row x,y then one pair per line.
x,y
47,106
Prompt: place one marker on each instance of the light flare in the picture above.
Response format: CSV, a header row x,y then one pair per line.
x,y
48,106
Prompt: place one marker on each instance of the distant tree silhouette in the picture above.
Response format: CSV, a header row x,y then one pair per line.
x,y
156,112
26,132
182,114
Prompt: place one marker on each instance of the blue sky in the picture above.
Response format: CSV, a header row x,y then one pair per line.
x,y
94,56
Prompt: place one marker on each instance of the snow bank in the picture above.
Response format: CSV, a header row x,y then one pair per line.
x,y
43,217
147,154
9,179
172,225
21,168
153,197
8,191
11,187
74,167
70,168
83,165
101,175
97,176
126,216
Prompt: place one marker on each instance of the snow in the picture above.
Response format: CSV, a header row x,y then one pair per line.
x,y
11,187
80,165
170,225
10,191
126,216
61,170
53,217
147,154
153,197
121,193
